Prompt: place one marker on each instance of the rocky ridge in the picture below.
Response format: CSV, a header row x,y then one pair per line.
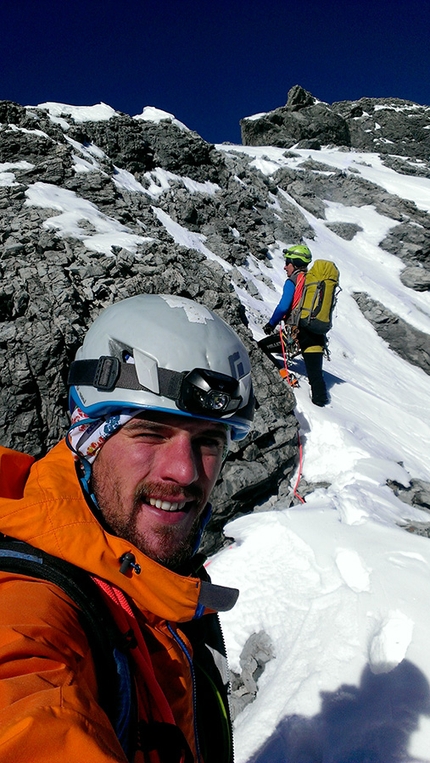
x,y
96,206
389,126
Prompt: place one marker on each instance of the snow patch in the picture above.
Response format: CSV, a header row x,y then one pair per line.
x,y
353,570
152,114
7,178
77,215
390,643
100,112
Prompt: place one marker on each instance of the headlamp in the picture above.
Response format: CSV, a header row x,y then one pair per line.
x,y
208,392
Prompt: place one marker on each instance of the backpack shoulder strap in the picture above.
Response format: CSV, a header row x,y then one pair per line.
x,y
292,318
108,646
298,292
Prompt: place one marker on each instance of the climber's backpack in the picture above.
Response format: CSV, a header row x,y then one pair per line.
x,y
319,297
108,646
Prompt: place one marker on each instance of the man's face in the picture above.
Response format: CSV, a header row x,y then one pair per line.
x,y
289,269
153,478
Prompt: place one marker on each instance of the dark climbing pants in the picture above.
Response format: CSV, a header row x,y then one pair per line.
x,y
271,346
314,369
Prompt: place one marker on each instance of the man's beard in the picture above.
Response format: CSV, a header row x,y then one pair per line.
x,y
169,552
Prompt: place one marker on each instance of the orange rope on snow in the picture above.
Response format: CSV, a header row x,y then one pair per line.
x,y
285,373
284,354
299,475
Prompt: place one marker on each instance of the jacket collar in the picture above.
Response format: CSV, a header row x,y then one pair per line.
x,y
53,515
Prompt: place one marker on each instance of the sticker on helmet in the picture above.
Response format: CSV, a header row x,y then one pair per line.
x,y
195,313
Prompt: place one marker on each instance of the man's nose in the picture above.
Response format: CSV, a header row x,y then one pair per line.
x,y
180,460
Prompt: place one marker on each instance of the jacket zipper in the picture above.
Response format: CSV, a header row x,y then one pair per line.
x,y
230,722
183,647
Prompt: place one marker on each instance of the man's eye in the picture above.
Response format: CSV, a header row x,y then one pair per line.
x,y
212,444
148,436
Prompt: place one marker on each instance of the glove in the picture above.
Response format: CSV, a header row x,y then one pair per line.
x,y
268,329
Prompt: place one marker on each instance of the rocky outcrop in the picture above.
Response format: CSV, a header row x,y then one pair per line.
x,y
303,122
316,183
387,126
256,653
410,240
417,278
408,342
417,493
383,125
95,211
138,145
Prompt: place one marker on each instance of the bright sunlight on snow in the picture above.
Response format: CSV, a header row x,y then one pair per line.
x,y
337,583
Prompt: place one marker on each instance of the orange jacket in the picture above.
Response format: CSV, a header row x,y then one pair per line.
x,y
49,708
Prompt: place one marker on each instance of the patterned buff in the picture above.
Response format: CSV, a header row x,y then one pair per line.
x,y
87,436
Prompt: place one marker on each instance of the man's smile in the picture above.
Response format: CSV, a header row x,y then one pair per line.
x,y
167,505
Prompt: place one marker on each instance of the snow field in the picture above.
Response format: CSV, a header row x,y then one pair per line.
x,y
340,589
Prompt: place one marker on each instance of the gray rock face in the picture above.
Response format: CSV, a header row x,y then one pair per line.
x,y
139,146
303,122
344,230
412,345
416,494
384,125
387,125
416,278
256,653
120,177
410,240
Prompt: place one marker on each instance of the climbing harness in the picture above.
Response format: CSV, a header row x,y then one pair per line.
x,y
288,342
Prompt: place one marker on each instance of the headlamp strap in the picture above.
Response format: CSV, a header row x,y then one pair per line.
x,y
107,372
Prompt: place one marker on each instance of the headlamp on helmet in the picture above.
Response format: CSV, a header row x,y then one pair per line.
x,y
208,391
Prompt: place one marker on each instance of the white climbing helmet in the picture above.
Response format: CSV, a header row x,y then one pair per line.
x,y
164,353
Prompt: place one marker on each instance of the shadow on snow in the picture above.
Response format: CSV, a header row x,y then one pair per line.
x,y
371,723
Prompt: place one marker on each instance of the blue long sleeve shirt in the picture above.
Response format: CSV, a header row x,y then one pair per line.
x,y
284,303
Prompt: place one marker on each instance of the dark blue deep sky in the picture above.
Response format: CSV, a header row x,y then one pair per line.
x,y
211,62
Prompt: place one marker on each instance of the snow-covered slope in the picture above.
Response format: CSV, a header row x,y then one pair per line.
x,y
340,589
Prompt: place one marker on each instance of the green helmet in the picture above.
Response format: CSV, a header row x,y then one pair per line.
x,y
298,254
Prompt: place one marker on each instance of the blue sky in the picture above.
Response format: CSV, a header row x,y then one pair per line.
x,y
212,62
